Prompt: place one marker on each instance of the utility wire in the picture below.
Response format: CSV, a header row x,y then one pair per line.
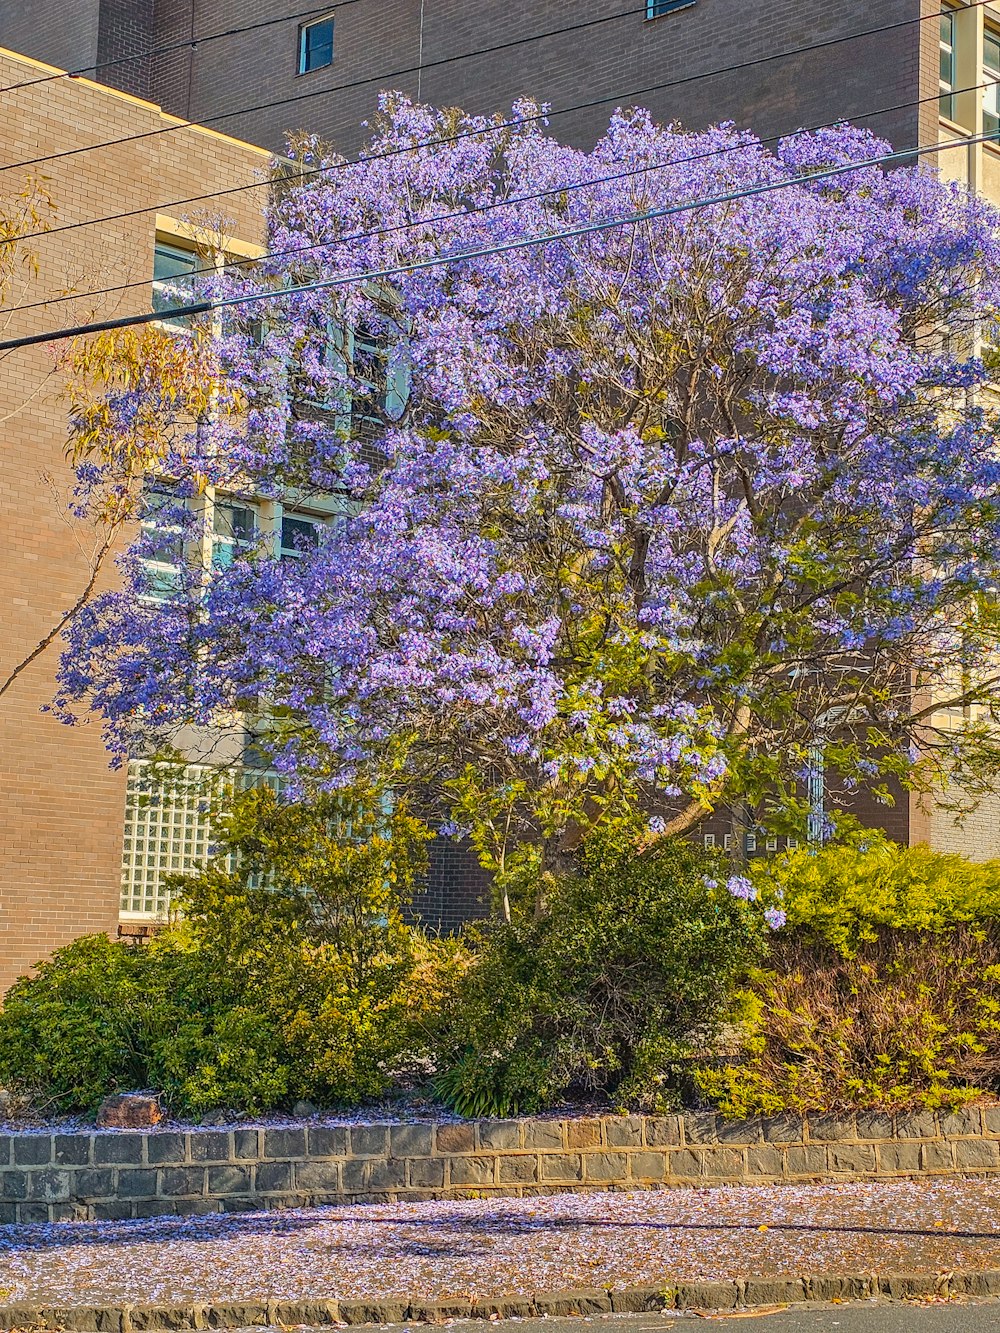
x,y
417,266
215,269
484,51
87,72
487,129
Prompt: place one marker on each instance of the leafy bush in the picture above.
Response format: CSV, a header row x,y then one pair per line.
x,y
846,895
611,992
906,1020
289,976
74,1032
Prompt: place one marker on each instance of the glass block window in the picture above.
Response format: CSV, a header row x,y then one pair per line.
x,y
167,828
315,45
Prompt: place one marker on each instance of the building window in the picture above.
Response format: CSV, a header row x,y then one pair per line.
x,y
657,8
772,844
991,78
173,278
162,521
234,530
168,827
709,839
315,45
946,75
298,534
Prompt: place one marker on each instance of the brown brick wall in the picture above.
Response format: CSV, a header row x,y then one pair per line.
x,y
60,806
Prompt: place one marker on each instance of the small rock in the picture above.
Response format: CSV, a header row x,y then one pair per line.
x,y
130,1110
304,1109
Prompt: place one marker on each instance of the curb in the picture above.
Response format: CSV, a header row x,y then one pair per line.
x,y
743,1293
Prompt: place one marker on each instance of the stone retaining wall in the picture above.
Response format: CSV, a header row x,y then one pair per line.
x,y
108,1175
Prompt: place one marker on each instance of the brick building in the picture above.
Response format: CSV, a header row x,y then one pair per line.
x,y
61,821
61,808
289,73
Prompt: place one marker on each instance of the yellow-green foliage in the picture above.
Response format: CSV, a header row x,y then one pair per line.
x,y
908,1020
845,895
292,975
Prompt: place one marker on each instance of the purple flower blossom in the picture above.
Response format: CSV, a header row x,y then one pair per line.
x,y
741,887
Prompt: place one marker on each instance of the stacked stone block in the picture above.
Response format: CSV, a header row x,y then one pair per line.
x,y
113,1175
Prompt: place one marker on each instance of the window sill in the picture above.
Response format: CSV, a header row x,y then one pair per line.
x,y
955,130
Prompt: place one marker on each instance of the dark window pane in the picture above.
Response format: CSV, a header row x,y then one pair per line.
x,y
235,522
173,281
298,534
315,45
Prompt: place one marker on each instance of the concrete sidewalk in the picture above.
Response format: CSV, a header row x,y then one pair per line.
x,y
437,1260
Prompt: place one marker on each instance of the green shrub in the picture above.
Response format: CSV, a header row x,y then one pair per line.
x,y
289,976
610,993
907,1020
73,1032
846,895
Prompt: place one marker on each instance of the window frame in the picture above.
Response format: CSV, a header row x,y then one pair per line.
x,y
658,9
177,245
164,570
946,87
991,80
302,50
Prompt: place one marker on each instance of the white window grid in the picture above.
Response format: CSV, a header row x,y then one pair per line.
x,y
167,825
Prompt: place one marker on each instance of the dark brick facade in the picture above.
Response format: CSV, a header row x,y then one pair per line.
x,y
402,44
456,891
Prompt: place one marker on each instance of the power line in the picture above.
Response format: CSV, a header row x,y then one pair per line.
x,y
488,129
190,43
417,266
491,50
216,269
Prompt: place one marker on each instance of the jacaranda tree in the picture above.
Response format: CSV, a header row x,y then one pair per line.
x,y
643,518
